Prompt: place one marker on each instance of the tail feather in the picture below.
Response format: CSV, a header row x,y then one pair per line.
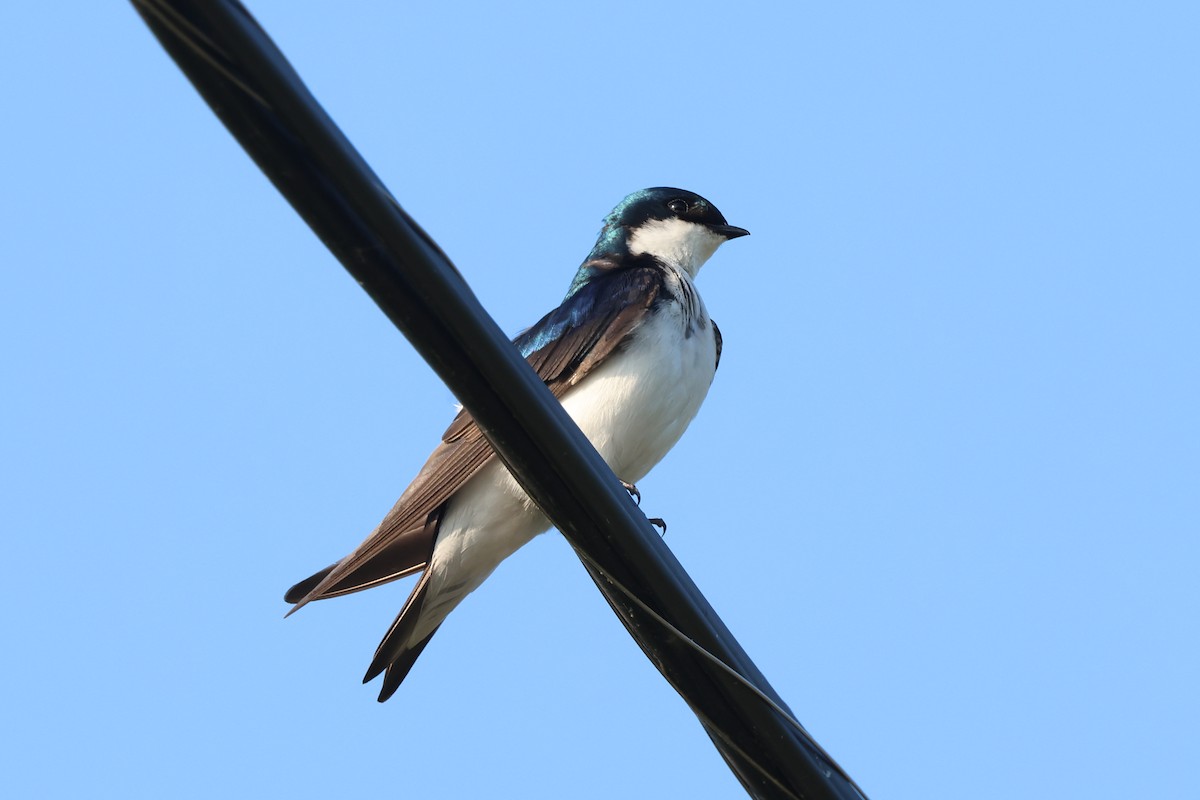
x,y
396,653
397,671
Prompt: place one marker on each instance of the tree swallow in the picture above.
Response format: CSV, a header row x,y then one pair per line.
x,y
630,354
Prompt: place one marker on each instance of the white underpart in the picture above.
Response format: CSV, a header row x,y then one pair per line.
x,y
633,408
684,244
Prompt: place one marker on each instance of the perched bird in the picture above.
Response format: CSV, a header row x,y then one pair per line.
x,y
630,353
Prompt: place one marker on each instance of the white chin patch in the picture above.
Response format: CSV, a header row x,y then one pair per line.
x,y
684,244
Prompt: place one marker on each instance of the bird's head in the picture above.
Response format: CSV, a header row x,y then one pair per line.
x,y
675,226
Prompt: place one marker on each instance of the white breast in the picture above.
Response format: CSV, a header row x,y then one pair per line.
x,y
637,404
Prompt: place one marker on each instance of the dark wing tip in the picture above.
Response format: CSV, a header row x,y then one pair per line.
x,y
304,587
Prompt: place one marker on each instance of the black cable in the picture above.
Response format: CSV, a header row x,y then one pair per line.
x,y
264,104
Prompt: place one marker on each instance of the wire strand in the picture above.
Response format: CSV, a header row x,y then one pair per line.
x,y
733,673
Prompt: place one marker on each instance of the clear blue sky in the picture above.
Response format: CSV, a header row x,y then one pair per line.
x,y
945,489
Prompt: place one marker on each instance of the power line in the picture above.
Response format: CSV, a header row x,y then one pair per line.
x,y
262,101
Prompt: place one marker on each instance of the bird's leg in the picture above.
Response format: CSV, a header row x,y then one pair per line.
x,y
659,523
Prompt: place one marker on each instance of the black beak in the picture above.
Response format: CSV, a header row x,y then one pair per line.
x,y
728,231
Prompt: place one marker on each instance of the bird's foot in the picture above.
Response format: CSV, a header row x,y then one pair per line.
x,y
637,496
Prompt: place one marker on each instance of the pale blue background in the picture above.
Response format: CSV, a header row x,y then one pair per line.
x,y
944,490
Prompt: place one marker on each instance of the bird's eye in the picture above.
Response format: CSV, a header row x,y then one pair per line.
x,y
678,206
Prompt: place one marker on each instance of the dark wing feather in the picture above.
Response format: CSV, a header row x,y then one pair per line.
x,y
573,339
403,542
562,347
407,552
720,342
591,325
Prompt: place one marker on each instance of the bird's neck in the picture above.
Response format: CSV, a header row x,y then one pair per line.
x,y
676,243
